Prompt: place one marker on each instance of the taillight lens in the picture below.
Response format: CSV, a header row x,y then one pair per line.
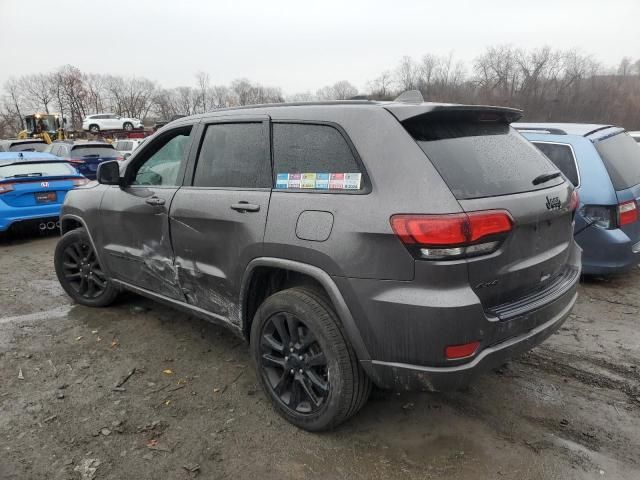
x,y
119,159
574,202
76,160
627,213
78,182
437,237
6,187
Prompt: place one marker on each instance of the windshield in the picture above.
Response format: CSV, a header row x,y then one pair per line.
x,y
481,159
621,156
43,123
28,147
36,169
80,151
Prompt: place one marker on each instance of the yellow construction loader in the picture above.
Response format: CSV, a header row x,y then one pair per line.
x,y
47,126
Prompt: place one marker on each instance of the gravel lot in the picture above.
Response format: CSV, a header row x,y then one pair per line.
x,y
192,407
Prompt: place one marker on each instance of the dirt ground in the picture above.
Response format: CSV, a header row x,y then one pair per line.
x,y
192,407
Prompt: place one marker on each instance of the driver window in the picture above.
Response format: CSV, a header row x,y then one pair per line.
x,y
166,155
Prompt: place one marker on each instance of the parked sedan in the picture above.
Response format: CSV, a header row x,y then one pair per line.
x,y
110,121
33,186
85,155
603,162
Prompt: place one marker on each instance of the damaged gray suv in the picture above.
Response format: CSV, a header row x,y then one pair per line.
x,y
406,245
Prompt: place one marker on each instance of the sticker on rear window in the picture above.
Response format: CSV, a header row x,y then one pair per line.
x,y
319,181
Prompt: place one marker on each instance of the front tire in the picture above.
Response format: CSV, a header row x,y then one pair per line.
x,y
79,271
304,362
128,126
94,128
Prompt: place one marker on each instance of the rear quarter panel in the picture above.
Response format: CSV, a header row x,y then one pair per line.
x,y
361,243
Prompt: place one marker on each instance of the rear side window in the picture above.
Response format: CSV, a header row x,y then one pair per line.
x,y
621,156
80,151
309,156
562,157
234,155
479,158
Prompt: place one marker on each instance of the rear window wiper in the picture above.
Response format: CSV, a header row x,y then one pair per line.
x,y
545,177
91,155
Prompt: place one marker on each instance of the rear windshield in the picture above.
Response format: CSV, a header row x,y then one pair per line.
x,y
480,158
34,169
28,147
621,156
80,151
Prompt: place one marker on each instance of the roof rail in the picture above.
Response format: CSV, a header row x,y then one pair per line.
x,y
547,130
410,96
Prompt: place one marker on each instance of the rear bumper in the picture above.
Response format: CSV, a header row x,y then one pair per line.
x,y
401,376
607,252
11,215
406,326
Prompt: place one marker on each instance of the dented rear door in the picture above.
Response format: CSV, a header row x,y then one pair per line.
x,y
218,218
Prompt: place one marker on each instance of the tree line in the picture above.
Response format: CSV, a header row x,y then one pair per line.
x,y
548,84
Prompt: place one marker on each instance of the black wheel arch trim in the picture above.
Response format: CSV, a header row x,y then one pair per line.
x,y
81,221
344,314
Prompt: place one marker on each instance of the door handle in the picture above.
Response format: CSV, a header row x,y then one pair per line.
x,y
155,201
243,207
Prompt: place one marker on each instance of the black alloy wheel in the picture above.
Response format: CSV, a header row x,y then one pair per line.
x,y
82,270
293,364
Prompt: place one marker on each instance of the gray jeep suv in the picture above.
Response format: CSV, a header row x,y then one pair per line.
x,y
406,245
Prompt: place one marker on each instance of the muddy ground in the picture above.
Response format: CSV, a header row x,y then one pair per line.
x,y
568,410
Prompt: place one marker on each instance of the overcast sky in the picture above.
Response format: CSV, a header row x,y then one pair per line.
x,y
295,44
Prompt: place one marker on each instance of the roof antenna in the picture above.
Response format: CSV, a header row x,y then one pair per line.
x,y
410,96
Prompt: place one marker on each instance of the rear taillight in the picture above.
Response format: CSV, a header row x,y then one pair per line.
x,y
627,213
119,159
78,182
439,237
76,160
6,188
574,202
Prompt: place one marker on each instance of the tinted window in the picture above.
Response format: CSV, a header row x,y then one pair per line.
x,y
318,152
163,159
36,170
79,151
28,147
562,157
621,156
234,155
480,158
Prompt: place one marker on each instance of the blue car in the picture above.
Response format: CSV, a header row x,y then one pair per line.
x,y
603,162
85,155
33,186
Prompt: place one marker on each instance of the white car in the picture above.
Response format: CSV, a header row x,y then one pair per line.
x,y
635,136
110,121
126,147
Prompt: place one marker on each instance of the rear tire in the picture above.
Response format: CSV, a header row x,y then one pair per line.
x,y
304,362
128,126
80,273
94,128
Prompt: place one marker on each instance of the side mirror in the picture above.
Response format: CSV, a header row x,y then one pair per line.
x,y
108,173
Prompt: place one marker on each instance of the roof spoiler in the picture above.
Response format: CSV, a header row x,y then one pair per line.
x,y
404,111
